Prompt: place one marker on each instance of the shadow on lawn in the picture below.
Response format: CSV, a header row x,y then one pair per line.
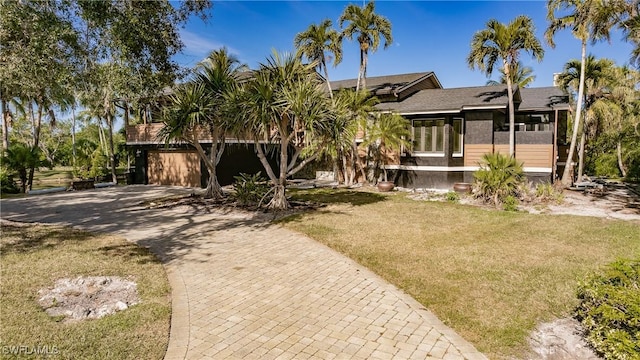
x,y
337,196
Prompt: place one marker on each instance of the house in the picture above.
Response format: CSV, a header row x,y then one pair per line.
x,y
452,128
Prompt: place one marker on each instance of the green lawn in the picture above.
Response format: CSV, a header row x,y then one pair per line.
x,y
490,275
34,257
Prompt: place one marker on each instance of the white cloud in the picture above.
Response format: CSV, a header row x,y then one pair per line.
x,y
199,46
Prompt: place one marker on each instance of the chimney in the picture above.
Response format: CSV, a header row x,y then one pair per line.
x,y
556,79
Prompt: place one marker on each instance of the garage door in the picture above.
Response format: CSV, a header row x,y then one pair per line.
x,y
179,168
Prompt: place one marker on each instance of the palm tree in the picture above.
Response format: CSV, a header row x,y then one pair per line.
x,y
520,75
218,73
388,134
355,109
315,42
368,26
21,158
504,42
598,78
588,20
283,104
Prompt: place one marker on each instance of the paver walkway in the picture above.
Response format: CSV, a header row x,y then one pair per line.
x,y
245,289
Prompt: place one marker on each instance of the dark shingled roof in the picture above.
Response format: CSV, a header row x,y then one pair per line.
x,y
389,84
495,96
456,99
543,98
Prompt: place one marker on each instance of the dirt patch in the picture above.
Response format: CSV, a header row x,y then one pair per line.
x,y
561,339
90,297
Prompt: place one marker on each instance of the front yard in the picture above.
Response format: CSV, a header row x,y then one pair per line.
x,y
490,275
33,257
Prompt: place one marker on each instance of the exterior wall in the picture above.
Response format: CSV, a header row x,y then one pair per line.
x,y
531,155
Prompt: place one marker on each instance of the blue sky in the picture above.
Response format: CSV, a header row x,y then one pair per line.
x,y
428,36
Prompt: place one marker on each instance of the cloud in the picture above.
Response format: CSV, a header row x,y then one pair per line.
x,y
199,46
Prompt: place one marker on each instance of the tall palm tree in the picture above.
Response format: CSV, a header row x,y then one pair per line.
x,y
598,78
588,20
315,42
368,27
520,75
218,73
283,104
504,42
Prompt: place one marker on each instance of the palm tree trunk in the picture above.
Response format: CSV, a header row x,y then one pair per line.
x,y
583,139
623,169
566,175
512,113
112,154
360,72
5,125
326,77
279,200
36,125
214,190
73,136
365,59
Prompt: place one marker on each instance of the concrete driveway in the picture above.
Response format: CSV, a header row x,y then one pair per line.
x,y
242,288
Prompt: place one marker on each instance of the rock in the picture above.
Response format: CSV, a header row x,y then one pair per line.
x,y
88,297
560,340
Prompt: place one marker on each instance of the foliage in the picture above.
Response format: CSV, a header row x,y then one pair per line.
x,y
452,196
387,135
368,27
498,177
510,203
7,184
20,158
547,192
520,75
283,103
99,162
251,189
504,42
609,310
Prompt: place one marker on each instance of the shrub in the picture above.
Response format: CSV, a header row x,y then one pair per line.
x,y
251,189
609,310
547,192
499,176
452,196
510,203
7,184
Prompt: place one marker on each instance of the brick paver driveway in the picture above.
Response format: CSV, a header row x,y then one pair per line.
x,y
242,288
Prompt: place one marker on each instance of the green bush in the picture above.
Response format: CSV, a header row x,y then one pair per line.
x,y
452,196
252,189
7,184
547,192
510,203
499,177
609,310
606,165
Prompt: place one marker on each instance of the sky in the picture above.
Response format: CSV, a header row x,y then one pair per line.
x,y
427,36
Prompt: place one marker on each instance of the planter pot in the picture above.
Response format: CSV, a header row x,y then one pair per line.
x,y
463,188
385,186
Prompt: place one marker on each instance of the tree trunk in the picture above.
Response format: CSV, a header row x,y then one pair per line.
x,y
279,200
36,125
364,70
112,154
73,136
566,175
512,116
360,70
583,139
326,77
623,169
214,190
5,124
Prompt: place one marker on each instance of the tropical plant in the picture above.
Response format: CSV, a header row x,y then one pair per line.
x,y
387,136
251,189
20,158
283,104
219,74
7,184
588,20
353,112
598,78
498,177
520,75
368,27
609,309
504,42
315,42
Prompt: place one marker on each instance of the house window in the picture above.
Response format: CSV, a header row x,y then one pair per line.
x,y
458,136
428,136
